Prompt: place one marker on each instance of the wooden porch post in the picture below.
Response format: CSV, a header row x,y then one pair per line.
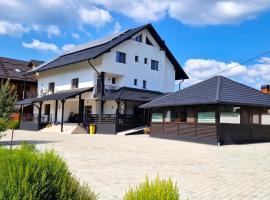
x,y
20,115
56,111
39,114
62,117
80,109
117,116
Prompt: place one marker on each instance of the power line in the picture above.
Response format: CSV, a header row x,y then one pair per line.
x,y
237,65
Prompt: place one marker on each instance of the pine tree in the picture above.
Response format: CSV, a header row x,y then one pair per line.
x,y
8,97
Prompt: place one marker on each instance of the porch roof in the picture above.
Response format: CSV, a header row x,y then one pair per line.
x,y
24,102
133,94
61,95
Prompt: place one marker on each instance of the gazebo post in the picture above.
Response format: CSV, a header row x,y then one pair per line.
x,y
217,114
62,117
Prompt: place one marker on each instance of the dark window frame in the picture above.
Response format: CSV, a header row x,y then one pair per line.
x,y
145,61
121,57
136,58
135,81
74,83
144,84
138,38
154,65
113,80
51,87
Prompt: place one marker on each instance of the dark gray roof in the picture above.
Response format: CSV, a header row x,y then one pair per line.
x,y
62,95
133,94
96,51
8,67
24,102
216,90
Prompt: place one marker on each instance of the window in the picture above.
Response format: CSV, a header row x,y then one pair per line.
x,y
144,84
154,65
157,117
256,118
206,117
138,38
230,117
120,57
136,58
135,81
183,116
148,41
47,109
167,116
74,83
113,80
51,87
145,60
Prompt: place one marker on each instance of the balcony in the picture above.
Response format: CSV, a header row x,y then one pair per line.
x,y
107,89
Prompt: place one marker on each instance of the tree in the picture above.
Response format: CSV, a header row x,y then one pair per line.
x,y
8,98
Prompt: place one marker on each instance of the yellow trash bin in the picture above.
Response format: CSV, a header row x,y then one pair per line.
x,y
92,128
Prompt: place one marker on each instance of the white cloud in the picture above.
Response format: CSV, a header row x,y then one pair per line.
x,y
7,28
67,47
117,27
94,16
96,12
194,12
43,46
53,30
254,75
75,35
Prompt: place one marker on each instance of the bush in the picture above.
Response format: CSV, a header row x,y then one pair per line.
x,y
26,174
3,125
13,124
147,130
153,190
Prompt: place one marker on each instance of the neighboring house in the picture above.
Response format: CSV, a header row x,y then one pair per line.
x,y
24,84
105,81
219,110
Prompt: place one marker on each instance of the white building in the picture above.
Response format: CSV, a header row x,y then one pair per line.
x,y
112,76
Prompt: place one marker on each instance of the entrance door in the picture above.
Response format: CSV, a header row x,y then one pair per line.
x,y
88,112
47,112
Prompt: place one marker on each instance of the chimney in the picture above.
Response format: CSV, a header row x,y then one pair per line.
x,y
265,89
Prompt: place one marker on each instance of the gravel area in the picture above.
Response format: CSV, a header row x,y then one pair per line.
x,y
110,164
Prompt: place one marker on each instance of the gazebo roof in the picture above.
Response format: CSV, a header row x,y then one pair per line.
x,y
216,90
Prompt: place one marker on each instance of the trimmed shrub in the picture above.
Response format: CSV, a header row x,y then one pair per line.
x,y
147,131
26,174
153,190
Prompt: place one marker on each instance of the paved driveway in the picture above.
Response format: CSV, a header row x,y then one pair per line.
x,y
111,163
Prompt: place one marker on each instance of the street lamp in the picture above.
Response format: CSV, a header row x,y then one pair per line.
x,y
24,81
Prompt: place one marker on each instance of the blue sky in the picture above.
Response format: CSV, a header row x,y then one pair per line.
x,y
205,36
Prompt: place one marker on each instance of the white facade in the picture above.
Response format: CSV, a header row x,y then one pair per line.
x,y
161,80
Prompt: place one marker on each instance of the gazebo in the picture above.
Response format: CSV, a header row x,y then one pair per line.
x,y
217,110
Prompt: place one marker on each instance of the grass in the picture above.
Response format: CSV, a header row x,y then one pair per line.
x,y
27,174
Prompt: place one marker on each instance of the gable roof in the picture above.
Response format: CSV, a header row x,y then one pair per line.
x,y
216,90
15,70
133,94
98,47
